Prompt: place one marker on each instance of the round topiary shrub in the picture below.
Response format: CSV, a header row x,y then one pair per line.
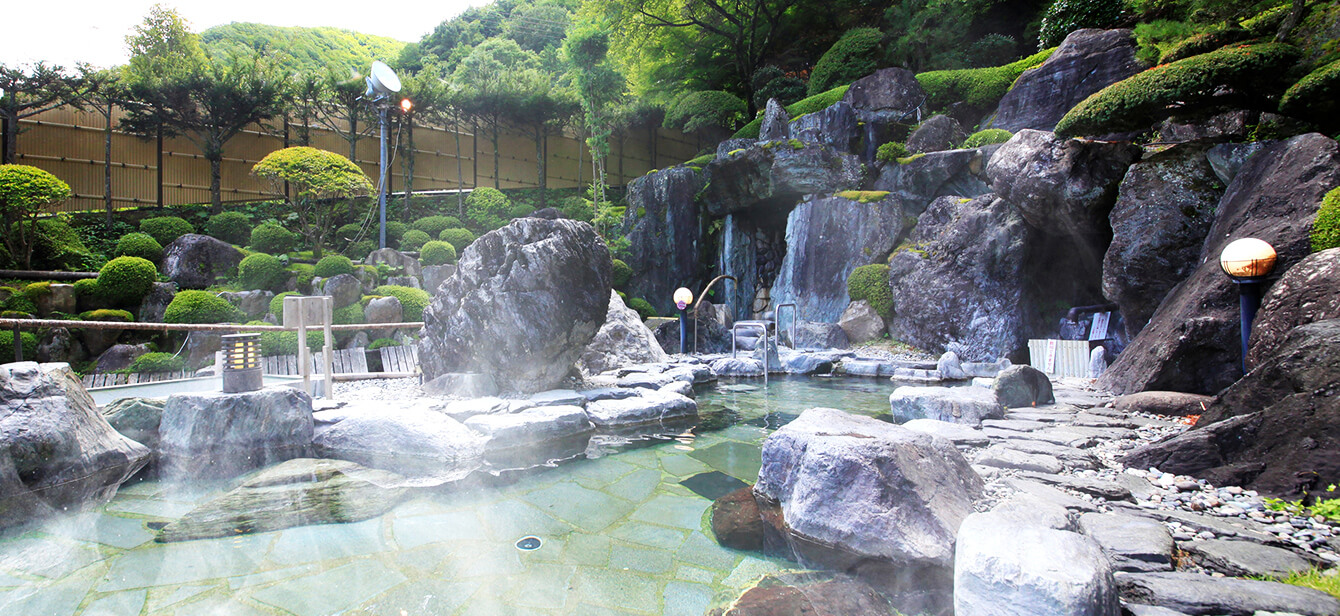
x,y
437,253
126,280
333,265
458,237
620,272
871,283
891,152
486,207
164,229
231,227
1066,16
643,307
260,271
394,231
852,57
272,239
412,301
108,315
348,315
140,245
277,304
27,341
1326,227
157,362
987,137
200,307
360,249
434,225
413,240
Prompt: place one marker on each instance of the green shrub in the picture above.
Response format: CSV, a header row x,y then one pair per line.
x,y
20,303
1316,97
458,238
486,207
987,137
164,229
360,249
88,290
804,106
231,227
273,239
1326,228
286,343
412,301
992,50
643,307
200,307
852,57
158,362
277,304
25,191
304,273
36,290
57,246
381,343
348,315
414,239
1204,42
772,82
1066,16
976,87
871,283
107,315
437,252
261,271
394,231
434,225
126,280
27,341
333,265
348,232
705,109
140,245
891,152
1144,99
1155,38
620,272
574,207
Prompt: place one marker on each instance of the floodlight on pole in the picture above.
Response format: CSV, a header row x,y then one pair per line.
x,y
382,83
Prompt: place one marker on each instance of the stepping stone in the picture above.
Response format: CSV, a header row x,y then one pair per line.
x,y
1014,424
1107,434
1035,511
965,405
1034,416
1046,436
1073,458
1050,494
1132,543
558,397
530,427
1139,487
1193,593
1091,420
607,393
960,434
1245,558
1231,527
1002,457
461,410
1094,487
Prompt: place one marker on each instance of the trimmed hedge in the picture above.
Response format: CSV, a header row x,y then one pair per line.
x,y
458,238
1146,98
27,341
200,307
273,239
852,57
620,272
333,265
643,307
126,280
1316,97
1326,228
140,245
871,283
437,252
157,362
434,225
164,229
804,106
987,137
486,208
413,240
976,87
260,271
412,301
277,304
231,227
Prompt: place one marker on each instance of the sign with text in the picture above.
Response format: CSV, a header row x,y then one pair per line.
x,y
1100,324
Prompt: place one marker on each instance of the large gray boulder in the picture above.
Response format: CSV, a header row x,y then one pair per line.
x,y
1086,62
826,239
411,441
344,290
652,406
776,122
57,453
384,310
1164,208
136,418
196,261
59,344
220,436
1004,566
1132,543
811,335
254,304
155,304
892,93
836,126
120,356
961,173
1304,294
524,303
774,175
395,259
531,427
1194,593
870,490
1191,343
1062,186
622,341
1022,386
964,405
435,275
664,235
861,323
936,134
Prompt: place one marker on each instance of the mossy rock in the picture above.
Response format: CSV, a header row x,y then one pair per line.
x,y
1326,227
871,283
200,307
863,196
989,136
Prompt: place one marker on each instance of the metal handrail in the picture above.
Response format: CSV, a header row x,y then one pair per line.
x,y
702,296
795,317
735,330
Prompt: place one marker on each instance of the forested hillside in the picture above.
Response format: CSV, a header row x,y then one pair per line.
x,y
302,50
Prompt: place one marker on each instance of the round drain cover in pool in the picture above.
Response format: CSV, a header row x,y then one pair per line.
x,y
528,543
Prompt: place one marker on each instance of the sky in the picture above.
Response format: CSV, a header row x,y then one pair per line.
x,y
71,31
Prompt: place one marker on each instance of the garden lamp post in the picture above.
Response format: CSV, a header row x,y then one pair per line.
x,y
1247,262
382,83
683,297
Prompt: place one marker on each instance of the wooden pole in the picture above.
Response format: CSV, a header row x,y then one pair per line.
x,y
18,345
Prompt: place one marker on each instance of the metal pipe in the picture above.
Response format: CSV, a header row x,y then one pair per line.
x,y
702,296
381,181
187,327
795,316
764,328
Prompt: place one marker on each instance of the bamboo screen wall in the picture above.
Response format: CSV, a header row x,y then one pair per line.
x,y
70,143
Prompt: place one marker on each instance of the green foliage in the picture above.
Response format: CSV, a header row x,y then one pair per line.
x,y
577,208
271,238
1328,508
705,110
863,196
1066,16
486,208
57,246
36,290
620,272
348,232
1256,71
321,183
164,229
286,343
27,341
1325,581
277,304
987,137
157,362
88,290
643,307
261,271
394,231
871,283
1316,97
126,280
437,252
1202,43
140,245
304,274
1326,227
360,249
413,240
891,152
300,50
348,315
1155,38
107,315
20,303
458,237
979,88
852,57
24,192
435,225
412,301
382,343
808,105
231,227
333,265
701,161
200,307
992,50
772,82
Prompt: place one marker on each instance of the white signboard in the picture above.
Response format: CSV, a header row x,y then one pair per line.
x,y
1049,360
1099,329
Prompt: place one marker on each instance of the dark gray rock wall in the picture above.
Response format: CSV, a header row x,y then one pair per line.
x,y
1086,62
777,174
1308,292
664,234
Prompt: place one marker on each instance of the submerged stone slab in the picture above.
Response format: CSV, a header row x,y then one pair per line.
x,y
530,427
965,405
218,435
650,407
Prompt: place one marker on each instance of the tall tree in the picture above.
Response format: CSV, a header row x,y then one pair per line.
x,y
343,110
599,88
489,88
28,91
428,96
304,93
106,93
321,181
